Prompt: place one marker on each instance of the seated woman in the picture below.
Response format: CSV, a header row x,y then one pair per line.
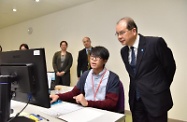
x,y
97,87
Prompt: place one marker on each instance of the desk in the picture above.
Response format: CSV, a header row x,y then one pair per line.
x,y
85,112
106,116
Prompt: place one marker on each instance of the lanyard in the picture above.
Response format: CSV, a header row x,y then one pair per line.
x,y
95,93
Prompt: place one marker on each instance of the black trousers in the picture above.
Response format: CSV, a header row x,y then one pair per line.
x,y
140,114
60,80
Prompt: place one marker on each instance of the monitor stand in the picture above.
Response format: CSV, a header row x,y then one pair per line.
x,y
5,96
22,119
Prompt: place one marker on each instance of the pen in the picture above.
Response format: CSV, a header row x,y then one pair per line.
x,y
42,117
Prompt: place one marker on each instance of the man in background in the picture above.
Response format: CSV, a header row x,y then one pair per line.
x,y
83,57
151,67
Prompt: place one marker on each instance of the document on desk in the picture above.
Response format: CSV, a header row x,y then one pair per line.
x,y
83,115
61,109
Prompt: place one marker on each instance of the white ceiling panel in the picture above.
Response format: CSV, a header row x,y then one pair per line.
x,y
29,9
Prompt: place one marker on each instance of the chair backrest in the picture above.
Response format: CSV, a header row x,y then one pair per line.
x,y
121,100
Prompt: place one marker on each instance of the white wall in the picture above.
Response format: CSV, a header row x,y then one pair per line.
x,y
97,19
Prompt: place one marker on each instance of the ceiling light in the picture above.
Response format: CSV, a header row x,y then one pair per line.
x,y
37,0
14,9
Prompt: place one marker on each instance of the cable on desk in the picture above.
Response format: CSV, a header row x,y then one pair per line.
x,y
29,98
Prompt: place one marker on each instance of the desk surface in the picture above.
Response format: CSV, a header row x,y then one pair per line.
x,y
86,114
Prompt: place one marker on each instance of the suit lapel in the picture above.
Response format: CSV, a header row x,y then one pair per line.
x,y
141,50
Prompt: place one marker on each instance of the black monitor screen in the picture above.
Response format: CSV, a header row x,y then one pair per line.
x,y
29,69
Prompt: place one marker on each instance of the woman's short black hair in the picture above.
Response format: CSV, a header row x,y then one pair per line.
x,y
24,45
63,42
1,49
101,52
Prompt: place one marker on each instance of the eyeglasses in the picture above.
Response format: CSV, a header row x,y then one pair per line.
x,y
95,58
121,33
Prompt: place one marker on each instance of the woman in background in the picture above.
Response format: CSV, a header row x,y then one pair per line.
x,y
23,47
1,49
62,62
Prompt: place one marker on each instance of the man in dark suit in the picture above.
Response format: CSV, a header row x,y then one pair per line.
x,y
151,69
83,57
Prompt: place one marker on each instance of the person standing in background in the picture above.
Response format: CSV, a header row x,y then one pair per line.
x,y
23,47
151,67
1,49
83,57
62,62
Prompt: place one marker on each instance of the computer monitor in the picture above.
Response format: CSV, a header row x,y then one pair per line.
x,y
26,70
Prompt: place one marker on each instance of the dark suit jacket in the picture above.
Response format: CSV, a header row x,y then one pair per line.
x,y
82,61
155,69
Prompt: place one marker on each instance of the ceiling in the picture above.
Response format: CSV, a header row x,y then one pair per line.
x,y
29,9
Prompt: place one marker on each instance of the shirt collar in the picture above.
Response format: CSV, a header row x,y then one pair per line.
x,y
88,48
101,73
135,45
